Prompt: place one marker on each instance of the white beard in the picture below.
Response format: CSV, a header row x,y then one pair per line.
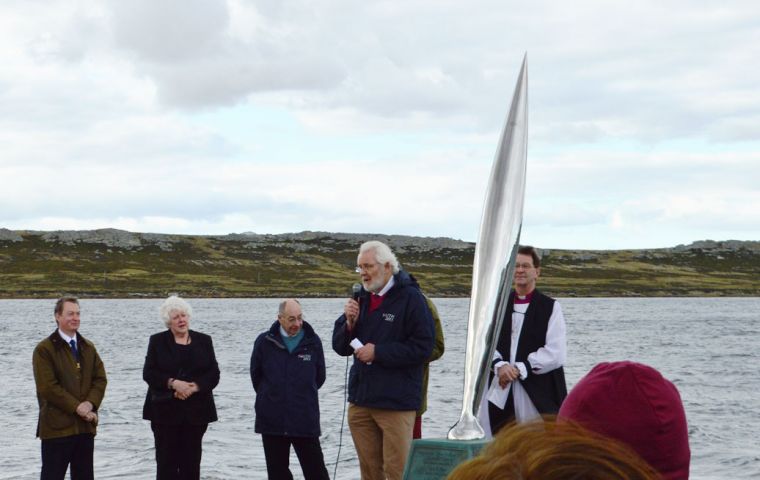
x,y
375,286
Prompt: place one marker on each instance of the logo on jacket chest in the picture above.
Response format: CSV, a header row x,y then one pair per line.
x,y
388,317
306,357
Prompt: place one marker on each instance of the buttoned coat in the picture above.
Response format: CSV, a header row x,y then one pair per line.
x,y
63,383
163,361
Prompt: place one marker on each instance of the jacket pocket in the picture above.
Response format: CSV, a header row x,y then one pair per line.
x,y
56,418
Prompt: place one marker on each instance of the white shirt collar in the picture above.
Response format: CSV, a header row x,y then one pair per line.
x,y
386,287
66,338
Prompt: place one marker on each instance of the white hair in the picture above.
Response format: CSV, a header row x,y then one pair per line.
x,y
383,254
174,304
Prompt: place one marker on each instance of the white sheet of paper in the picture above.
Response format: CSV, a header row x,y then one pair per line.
x,y
497,395
357,344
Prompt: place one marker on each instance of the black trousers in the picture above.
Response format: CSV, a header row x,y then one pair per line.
x,y
500,418
74,450
178,451
309,453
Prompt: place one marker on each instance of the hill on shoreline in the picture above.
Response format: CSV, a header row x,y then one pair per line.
x,y
111,263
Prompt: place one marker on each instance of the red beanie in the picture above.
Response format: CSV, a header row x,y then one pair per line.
x,y
636,405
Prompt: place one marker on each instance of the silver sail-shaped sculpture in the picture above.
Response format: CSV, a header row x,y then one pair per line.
x,y
495,255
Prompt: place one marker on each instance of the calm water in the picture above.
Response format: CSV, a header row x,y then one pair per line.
x,y
710,348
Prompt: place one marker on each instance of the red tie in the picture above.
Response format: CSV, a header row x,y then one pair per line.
x,y
374,302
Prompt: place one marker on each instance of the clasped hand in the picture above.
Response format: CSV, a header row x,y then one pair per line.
x,y
507,373
84,410
183,390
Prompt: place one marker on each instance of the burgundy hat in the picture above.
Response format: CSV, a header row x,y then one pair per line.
x,y
636,405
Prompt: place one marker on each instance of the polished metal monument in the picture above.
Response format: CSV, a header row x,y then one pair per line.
x,y
495,254
492,273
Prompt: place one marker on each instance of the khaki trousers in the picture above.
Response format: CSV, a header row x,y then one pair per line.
x,y
382,439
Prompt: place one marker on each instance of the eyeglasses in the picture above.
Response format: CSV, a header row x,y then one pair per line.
x,y
524,266
366,267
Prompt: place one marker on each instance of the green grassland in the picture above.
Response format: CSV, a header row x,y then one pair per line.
x,y
687,271
36,265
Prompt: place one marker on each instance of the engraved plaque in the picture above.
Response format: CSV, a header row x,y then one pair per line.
x,y
434,459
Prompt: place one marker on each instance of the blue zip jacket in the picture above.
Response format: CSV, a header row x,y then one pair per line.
x,y
403,334
286,384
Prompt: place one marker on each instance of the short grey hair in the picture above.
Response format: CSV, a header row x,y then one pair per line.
x,y
174,304
284,303
383,254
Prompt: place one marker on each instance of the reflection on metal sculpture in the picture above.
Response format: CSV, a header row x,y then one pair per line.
x,y
495,253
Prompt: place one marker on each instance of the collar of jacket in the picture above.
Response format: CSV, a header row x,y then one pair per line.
x,y
168,335
273,335
59,343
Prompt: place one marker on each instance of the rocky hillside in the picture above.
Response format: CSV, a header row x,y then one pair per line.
x,y
704,268
115,263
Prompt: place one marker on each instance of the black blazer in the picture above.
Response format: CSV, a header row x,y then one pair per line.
x,y
164,361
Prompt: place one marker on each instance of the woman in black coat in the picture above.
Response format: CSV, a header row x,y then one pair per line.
x,y
181,372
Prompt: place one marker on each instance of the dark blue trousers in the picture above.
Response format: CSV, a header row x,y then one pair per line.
x,y
309,453
74,450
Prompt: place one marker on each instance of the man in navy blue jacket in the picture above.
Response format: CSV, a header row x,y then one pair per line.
x,y
390,331
287,369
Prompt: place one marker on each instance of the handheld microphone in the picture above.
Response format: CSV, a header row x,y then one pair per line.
x,y
356,290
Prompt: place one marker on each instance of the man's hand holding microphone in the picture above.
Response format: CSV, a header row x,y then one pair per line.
x,y
365,353
351,310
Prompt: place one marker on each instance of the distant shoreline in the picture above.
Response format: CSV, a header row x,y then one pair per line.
x,y
117,264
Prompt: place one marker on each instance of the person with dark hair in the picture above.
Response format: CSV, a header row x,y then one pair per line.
x,y
181,372
287,370
71,382
636,405
390,332
528,378
553,451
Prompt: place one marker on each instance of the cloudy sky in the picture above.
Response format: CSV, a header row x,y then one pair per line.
x,y
211,117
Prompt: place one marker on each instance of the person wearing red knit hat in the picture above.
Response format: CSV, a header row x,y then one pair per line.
x,y
634,404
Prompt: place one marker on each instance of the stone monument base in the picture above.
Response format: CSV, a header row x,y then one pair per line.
x,y
434,459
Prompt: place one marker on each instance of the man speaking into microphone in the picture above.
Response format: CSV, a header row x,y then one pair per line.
x,y
389,329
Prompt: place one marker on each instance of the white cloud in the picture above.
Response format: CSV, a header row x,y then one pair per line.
x,y
170,32
284,115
